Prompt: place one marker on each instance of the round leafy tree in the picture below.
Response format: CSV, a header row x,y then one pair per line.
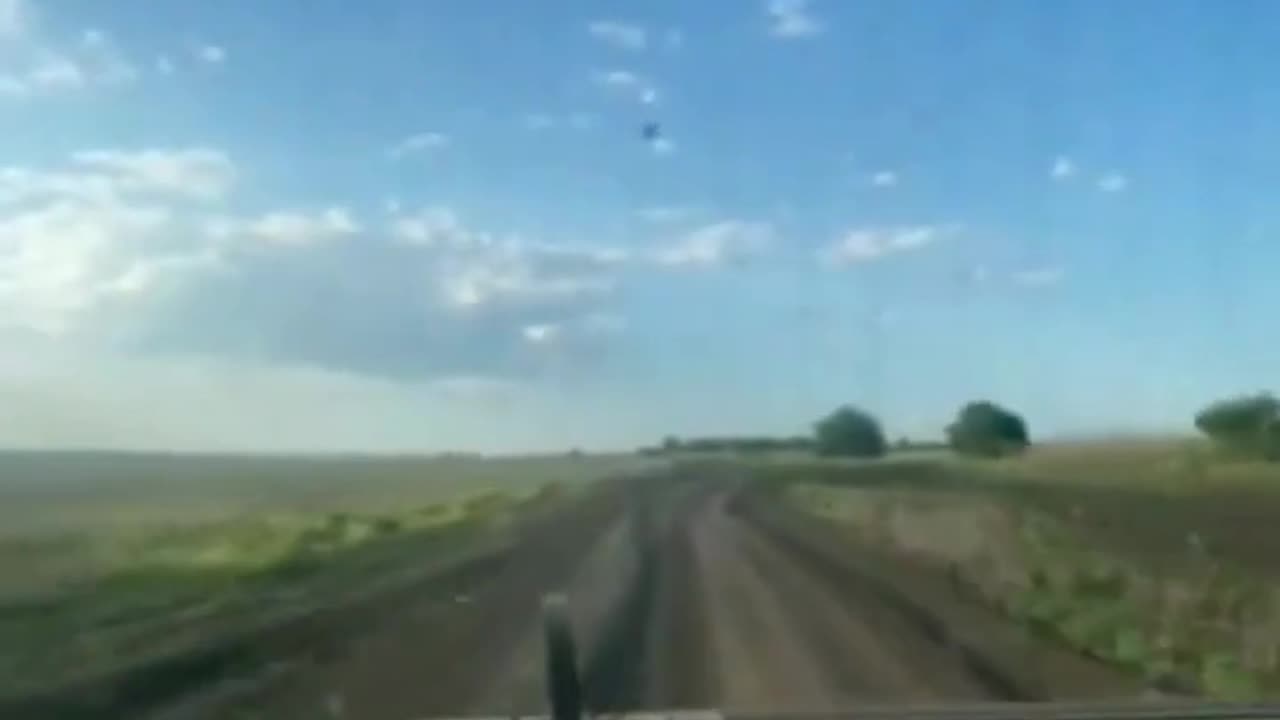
x,y
985,429
850,432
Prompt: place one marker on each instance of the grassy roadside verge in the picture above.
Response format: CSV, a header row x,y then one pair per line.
x,y
1166,582
169,593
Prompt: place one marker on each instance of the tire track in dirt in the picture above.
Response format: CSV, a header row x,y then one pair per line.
x,y
678,643
866,644
761,663
1006,659
611,586
781,626
785,638
919,644
631,664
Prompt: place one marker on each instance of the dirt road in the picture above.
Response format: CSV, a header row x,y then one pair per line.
x,y
783,637
699,602
762,610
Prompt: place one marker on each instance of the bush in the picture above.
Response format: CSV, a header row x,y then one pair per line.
x,y
850,432
550,492
1248,425
485,504
984,429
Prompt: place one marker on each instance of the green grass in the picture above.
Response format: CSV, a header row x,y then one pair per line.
x,y
66,517
159,591
1185,628
1161,465
117,568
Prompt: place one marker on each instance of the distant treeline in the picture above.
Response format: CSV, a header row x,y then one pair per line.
x,y
731,444
1246,426
764,444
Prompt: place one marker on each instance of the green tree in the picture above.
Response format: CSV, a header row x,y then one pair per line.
x,y
985,429
849,431
1248,425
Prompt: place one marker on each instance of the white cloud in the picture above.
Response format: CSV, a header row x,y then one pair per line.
x,y
76,239
93,38
541,334
617,78
56,72
35,69
867,244
716,244
145,274
475,268
20,186
34,65
628,83
1063,168
603,323
602,255
593,324
884,179
548,121
1113,182
418,143
663,146
666,213
293,228
431,226
283,228
441,227
13,18
1038,277
59,260
488,280
165,66
792,19
622,35
212,54
100,175
590,326
202,173
107,248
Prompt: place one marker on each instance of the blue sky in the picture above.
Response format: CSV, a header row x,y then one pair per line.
x,y
299,226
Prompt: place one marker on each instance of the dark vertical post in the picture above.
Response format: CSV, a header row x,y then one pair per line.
x,y
564,689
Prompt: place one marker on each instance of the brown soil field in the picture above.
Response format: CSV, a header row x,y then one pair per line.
x,y
685,592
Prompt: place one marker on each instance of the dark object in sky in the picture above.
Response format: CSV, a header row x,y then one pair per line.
x,y
651,131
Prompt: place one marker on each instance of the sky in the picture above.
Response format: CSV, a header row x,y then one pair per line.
x,y
303,226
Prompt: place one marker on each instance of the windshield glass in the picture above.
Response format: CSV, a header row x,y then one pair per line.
x,y
820,353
